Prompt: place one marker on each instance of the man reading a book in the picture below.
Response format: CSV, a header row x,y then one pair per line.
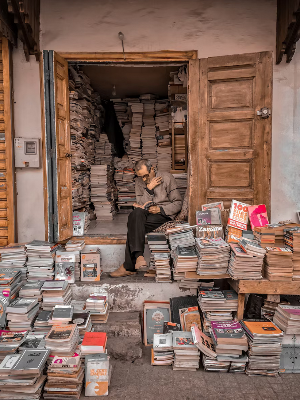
x,y
157,201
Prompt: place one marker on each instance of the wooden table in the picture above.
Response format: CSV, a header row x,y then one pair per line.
x,y
262,286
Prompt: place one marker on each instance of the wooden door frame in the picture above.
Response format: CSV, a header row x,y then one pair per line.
x,y
189,57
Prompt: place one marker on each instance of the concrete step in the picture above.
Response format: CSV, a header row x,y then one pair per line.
x,y
129,293
125,324
124,348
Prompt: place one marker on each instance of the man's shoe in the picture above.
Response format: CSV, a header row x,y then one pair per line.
x,y
121,271
140,263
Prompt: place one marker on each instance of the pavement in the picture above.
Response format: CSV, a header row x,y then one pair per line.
x,y
139,380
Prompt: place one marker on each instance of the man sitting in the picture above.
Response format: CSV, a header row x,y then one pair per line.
x,y
158,201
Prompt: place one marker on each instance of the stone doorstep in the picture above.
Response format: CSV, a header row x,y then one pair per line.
x,y
125,324
124,348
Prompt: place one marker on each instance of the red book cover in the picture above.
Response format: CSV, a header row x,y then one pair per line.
x,y
258,216
94,339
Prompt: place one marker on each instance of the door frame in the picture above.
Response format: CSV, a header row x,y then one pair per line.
x,y
189,57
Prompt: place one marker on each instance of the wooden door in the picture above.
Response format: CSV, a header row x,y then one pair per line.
x,y
231,152
61,144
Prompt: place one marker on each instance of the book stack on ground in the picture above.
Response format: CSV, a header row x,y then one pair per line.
x,y
97,384
102,191
97,306
21,375
41,324
214,256
40,263
93,343
33,341
61,315
162,352
62,340
64,378
103,150
269,307
149,143
55,293
10,283
137,108
164,149
230,342
83,321
124,178
217,305
21,313
278,264
182,235
265,340
287,318
14,256
159,256
186,352
264,235
10,342
292,242
185,259
245,264
32,290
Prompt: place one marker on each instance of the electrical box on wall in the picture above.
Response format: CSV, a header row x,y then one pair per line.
x,y
27,153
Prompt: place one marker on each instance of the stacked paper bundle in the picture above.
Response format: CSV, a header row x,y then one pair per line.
x,y
181,181
214,256
164,149
10,343
22,375
217,305
97,306
135,132
64,378
185,259
62,340
149,143
21,313
279,264
186,353
246,262
54,293
32,290
182,235
162,352
14,256
103,150
292,242
41,324
80,188
124,178
41,256
287,318
83,321
102,191
265,340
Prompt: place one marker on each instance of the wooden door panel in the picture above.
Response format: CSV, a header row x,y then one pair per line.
x,y
234,143
63,207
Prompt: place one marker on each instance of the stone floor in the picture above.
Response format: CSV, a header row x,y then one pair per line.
x,y
115,228
141,381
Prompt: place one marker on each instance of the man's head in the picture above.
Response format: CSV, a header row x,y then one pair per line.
x,y
144,169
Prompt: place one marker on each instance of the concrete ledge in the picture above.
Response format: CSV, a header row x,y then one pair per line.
x,y
125,324
129,293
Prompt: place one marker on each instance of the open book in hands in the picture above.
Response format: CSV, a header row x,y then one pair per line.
x,y
145,206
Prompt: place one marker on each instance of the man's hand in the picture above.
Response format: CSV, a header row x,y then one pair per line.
x,y
154,182
154,210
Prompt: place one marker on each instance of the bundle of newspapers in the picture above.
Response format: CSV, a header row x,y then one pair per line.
x,y
41,257
214,256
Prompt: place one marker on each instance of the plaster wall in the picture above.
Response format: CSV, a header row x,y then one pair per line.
x,y
213,27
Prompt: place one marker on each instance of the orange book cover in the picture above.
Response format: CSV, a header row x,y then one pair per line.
x,y
262,328
94,339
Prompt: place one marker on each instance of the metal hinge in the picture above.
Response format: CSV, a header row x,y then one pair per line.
x,y
264,112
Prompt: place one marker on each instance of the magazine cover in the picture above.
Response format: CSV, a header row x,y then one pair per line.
x,y
238,216
258,216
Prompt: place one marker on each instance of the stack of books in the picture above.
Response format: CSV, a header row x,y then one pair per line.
x,y
185,259
214,256
124,177
186,352
22,375
245,264
182,235
217,305
10,284
62,340
103,150
265,340
14,256
41,324
162,351
10,342
149,143
32,290
93,343
61,315
33,341
269,307
159,256
137,109
40,262
75,245
287,318
102,191
279,264
65,377
265,236
97,306
21,313
83,321
55,293
292,242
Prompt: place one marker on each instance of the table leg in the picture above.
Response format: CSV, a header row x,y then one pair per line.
x,y
241,304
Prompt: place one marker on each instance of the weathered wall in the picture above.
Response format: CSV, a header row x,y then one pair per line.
x,y
213,27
